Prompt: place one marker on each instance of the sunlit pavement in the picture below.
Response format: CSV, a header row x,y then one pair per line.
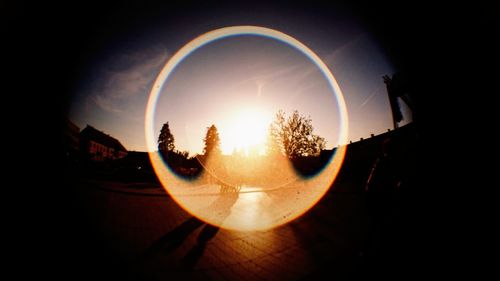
x,y
155,239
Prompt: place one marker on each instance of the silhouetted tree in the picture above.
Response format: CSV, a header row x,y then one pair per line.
x,y
294,136
166,140
184,154
212,141
274,147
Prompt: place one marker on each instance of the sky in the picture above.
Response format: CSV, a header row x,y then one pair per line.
x,y
234,77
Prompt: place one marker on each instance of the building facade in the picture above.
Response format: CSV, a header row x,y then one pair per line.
x,y
98,146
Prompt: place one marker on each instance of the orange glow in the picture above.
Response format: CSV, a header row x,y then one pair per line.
x,y
246,131
246,193
217,200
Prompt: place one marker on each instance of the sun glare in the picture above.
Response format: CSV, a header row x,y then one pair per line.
x,y
246,132
222,190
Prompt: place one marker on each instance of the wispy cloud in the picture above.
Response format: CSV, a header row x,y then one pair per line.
x,y
299,77
273,74
333,56
105,103
296,76
127,76
372,94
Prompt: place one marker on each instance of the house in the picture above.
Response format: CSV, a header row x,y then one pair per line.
x,y
98,146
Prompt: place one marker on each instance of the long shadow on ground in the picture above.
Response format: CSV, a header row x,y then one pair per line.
x,y
174,238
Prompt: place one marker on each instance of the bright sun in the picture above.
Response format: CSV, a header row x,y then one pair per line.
x,y
246,131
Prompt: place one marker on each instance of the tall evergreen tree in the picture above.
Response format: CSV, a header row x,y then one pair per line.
x,y
212,141
166,140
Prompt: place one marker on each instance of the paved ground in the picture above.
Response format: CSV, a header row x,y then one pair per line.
x,y
151,238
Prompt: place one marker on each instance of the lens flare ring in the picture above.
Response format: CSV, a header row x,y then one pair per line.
x,y
251,209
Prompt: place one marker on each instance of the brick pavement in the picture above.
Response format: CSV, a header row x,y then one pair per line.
x,y
154,239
